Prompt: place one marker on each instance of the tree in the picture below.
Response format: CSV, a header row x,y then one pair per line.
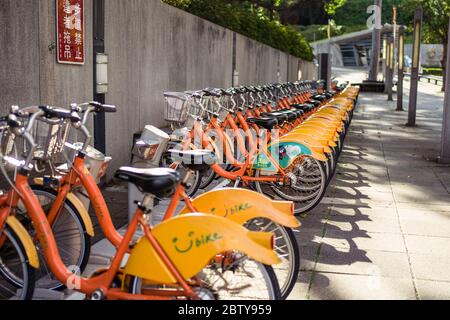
x,y
284,10
436,18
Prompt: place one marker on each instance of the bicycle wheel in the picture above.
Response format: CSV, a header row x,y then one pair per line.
x,y
207,177
286,247
308,185
72,240
17,277
194,181
244,279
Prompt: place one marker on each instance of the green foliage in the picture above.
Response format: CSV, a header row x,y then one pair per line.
x,y
353,12
251,21
332,6
436,16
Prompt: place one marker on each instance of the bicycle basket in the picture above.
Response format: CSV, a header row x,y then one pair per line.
x,y
176,106
50,139
7,142
198,106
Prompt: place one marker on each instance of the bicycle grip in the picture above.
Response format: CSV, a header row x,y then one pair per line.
x,y
109,108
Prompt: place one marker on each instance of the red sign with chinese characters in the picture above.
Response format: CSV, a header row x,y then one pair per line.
x,y
70,31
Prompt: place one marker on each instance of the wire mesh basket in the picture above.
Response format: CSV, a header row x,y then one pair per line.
x,y
7,142
198,105
50,139
176,106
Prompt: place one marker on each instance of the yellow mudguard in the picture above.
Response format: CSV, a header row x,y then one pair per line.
x,y
309,140
317,149
307,130
191,241
242,205
78,206
27,242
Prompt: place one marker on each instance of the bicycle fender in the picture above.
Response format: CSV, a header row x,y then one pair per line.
x,y
78,206
242,205
295,148
191,241
27,242
286,152
308,140
83,213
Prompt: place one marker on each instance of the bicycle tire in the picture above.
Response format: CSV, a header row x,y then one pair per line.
x,y
207,178
312,200
286,279
84,246
267,272
25,283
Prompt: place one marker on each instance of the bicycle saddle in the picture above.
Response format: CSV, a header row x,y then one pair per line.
x,y
266,123
197,160
160,182
251,89
314,102
281,117
319,97
306,107
291,114
297,112
230,92
212,92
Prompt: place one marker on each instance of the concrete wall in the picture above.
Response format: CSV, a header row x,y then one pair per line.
x,y
152,48
28,69
256,62
155,48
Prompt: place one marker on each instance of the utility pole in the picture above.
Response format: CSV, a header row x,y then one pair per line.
x,y
401,66
415,67
389,66
445,149
99,47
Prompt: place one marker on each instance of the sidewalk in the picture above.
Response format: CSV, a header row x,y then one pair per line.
x,y
383,229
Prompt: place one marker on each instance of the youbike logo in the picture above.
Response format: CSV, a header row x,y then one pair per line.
x,y
374,21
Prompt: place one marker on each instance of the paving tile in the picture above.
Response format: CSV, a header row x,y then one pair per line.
x,y
433,290
300,290
439,246
308,257
363,262
430,266
363,240
308,238
427,223
313,223
373,223
333,286
367,210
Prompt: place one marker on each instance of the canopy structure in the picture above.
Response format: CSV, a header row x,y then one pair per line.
x,y
351,49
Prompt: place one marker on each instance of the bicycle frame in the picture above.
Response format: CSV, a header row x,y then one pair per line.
x,y
241,173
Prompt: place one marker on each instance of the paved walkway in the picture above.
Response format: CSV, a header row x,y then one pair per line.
x,y
383,230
